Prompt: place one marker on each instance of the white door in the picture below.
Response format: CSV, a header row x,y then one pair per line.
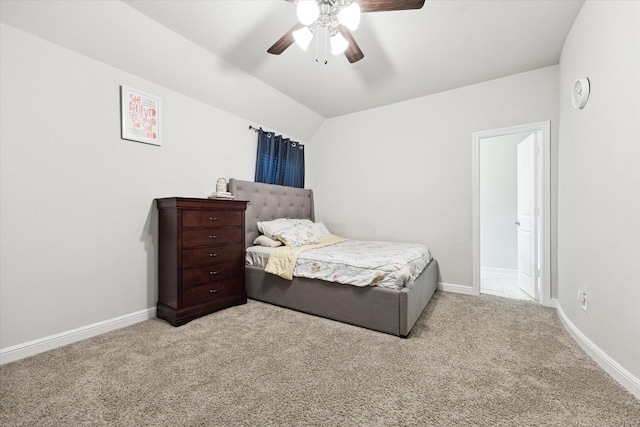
x,y
526,222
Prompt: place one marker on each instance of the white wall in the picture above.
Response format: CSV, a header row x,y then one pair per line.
x,y
78,222
498,201
403,171
116,34
78,227
599,180
77,215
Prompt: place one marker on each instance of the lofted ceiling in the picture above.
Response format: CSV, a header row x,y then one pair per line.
x,y
445,45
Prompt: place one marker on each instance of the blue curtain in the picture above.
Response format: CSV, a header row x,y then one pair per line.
x,y
279,160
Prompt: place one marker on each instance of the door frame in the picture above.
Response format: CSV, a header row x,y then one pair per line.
x,y
542,168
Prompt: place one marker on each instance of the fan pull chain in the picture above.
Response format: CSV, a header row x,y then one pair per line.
x,y
326,37
318,47
317,43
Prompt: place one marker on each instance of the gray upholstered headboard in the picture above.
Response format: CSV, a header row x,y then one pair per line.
x,y
268,201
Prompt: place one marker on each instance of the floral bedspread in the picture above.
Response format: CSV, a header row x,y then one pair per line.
x,y
282,259
365,263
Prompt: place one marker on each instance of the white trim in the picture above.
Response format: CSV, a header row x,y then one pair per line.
x,y
456,289
475,208
543,194
34,347
613,368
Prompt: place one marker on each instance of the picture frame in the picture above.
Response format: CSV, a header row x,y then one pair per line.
x,y
140,116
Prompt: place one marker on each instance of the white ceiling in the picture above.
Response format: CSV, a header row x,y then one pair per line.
x,y
408,54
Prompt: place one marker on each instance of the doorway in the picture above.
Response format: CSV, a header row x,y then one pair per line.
x,y
511,238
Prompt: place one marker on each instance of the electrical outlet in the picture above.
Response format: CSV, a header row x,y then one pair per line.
x,y
582,299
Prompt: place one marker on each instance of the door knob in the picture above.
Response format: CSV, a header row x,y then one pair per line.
x,y
517,223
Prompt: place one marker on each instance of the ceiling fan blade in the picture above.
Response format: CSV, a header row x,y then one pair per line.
x,y
285,41
353,52
389,5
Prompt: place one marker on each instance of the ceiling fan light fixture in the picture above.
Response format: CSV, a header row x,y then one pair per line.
x,y
350,16
307,11
303,37
337,18
338,44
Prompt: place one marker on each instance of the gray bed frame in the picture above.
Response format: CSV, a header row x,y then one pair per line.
x,y
380,309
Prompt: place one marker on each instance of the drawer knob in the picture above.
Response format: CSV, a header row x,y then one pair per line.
x,y
213,273
213,291
213,236
213,255
213,218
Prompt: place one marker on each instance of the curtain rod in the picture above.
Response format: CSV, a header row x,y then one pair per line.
x,y
256,130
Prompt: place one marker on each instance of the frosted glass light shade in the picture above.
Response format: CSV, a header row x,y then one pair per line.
x,y
307,11
338,44
350,16
303,37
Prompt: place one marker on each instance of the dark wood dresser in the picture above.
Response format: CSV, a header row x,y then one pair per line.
x,y
200,257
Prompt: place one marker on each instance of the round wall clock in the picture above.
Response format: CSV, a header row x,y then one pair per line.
x,y
580,92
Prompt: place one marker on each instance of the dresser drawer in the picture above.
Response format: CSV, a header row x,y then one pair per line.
x,y
212,236
201,256
213,218
211,291
208,273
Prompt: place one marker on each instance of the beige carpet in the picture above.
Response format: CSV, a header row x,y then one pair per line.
x,y
482,361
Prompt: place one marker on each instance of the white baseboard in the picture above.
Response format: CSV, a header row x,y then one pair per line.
x,y
34,347
621,375
456,289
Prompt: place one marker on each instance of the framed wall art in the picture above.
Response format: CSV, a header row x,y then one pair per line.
x,y
140,120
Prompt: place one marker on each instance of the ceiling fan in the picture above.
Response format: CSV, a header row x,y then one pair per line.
x,y
338,18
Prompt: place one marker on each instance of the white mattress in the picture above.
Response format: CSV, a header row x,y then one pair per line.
x,y
355,262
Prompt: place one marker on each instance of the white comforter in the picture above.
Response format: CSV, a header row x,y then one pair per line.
x,y
363,263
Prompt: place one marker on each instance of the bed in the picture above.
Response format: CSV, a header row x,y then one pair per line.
x,y
383,309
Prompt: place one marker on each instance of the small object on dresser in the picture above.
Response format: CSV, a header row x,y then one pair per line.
x,y
222,195
221,185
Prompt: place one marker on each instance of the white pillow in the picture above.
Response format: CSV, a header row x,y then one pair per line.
x,y
273,227
269,228
263,240
302,234
319,228
300,221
